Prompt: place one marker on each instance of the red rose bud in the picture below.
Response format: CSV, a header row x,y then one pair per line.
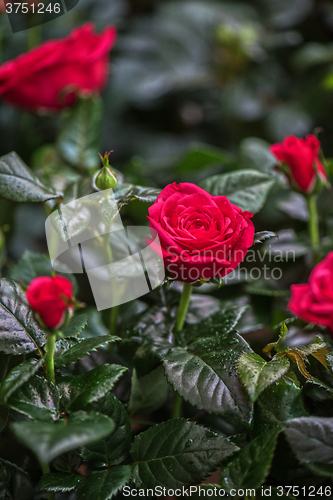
x,y
201,236
52,299
313,301
300,162
50,76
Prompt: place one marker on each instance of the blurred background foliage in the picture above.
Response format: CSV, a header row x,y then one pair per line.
x,y
196,88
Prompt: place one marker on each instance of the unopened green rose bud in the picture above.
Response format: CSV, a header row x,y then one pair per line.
x,y
106,178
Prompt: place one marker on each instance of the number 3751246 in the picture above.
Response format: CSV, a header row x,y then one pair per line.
x,y
32,7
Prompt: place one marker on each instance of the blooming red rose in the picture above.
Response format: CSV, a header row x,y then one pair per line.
x,y
201,236
301,162
51,298
48,77
313,301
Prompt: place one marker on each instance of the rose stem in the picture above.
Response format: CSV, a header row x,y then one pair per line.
x,y
313,224
49,361
113,321
183,307
113,318
180,320
46,470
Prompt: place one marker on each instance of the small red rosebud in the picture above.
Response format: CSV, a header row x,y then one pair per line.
x,y
300,162
52,299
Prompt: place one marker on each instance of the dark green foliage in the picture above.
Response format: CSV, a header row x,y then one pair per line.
x,y
115,449
20,333
49,439
18,183
197,93
103,485
14,482
249,467
83,347
79,140
206,375
248,189
60,481
177,453
18,376
79,390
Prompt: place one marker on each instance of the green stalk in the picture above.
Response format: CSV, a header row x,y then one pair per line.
x,y
114,311
180,320
49,361
46,470
313,224
183,307
113,320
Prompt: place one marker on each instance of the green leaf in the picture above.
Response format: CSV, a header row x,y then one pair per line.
x,y
249,467
19,332
177,453
311,439
79,390
63,345
146,359
148,393
206,375
278,404
60,482
201,156
48,440
34,264
325,470
76,325
18,376
115,448
255,154
103,485
79,139
219,324
38,399
320,383
18,183
317,344
263,236
15,484
256,374
124,193
154,326
248,189
84,347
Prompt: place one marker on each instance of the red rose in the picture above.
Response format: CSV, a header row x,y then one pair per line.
x,y
202,236
49,76
51,298
300,158
313,301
